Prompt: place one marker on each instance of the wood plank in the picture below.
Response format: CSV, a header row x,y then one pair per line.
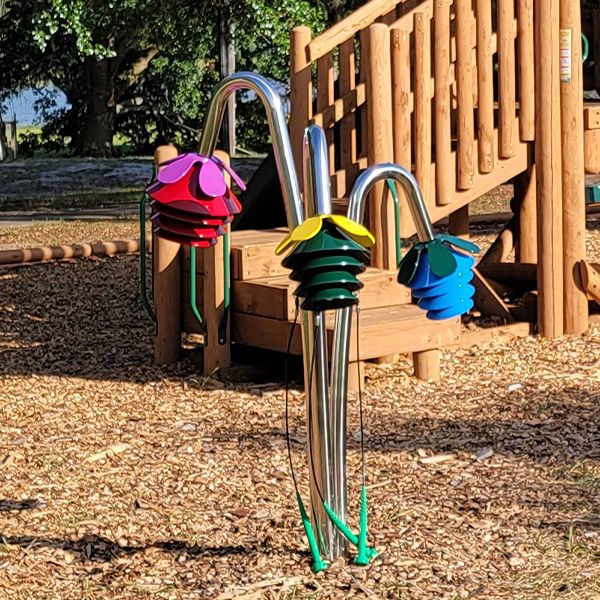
x,y
487,300
413,332
485,86
273,297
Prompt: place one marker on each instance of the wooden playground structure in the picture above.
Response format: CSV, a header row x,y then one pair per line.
x,y
469,94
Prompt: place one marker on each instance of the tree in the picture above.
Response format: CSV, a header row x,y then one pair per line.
x,y
141,67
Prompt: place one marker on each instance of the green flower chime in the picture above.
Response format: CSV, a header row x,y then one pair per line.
x,y
328,252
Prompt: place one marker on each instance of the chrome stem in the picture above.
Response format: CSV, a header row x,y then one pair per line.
x,y
277,126
321,415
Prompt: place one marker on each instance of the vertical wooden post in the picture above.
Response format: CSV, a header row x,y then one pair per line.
x,y
347,83
325,97
216,356
458,222
300,91
166,259
525,211
422,96
548,168
444,178
485,87
464,80
526,70
573,176
506,78
381,144
400,44
427,365
14,141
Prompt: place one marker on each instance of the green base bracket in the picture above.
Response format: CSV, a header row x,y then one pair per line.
x,y
318,564
365,553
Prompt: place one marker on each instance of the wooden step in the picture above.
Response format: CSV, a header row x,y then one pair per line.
x,y
274,296
383,331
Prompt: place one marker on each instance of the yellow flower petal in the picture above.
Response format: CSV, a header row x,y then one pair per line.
x,y
359,233
285,244
308,229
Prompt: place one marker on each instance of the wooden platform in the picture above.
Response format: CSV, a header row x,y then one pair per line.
x,y
263,305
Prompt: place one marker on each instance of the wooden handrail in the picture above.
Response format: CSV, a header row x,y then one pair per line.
x,y
360,19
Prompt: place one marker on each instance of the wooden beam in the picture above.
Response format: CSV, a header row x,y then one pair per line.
x,y
166,259
573,173
548,167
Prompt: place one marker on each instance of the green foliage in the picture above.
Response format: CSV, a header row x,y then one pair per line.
x,y
162,53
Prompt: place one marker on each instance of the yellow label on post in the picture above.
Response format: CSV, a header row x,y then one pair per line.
x,y
566,56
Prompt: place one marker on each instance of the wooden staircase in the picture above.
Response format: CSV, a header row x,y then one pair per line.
x,y
263,305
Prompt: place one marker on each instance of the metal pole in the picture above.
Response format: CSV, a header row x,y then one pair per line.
x,y
340,353
327,468
277,126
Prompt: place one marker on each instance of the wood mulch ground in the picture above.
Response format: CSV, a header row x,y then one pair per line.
x,y
124,480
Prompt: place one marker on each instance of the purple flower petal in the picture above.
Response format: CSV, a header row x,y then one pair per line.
x,y
178,167
238,180
211,179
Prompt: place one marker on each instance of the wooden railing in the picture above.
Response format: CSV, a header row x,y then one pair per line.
x,y
443,87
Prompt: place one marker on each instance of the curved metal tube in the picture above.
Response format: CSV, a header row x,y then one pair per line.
x,y
320,413
343,319
369,177
277,126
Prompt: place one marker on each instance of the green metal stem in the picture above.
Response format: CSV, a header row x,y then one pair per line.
x,y
226,291
396,200
365,554
193,291
318,563
360,540
143,288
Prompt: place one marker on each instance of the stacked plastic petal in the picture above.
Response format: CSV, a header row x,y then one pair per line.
x,y
439,273
327,253
191,201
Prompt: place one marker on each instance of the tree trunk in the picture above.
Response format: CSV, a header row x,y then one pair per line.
x,y
99,119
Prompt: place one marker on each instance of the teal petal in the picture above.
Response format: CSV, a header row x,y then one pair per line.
x,y
408,265
459,243
441,260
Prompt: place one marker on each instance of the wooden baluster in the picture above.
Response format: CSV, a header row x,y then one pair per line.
x,y
363,71
300,91
506,78
401,110
325,98
444,184
422,95
526,70
381,146
464,79
485,84
347,83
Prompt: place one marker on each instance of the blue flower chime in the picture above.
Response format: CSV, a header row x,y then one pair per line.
x,y
439,273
